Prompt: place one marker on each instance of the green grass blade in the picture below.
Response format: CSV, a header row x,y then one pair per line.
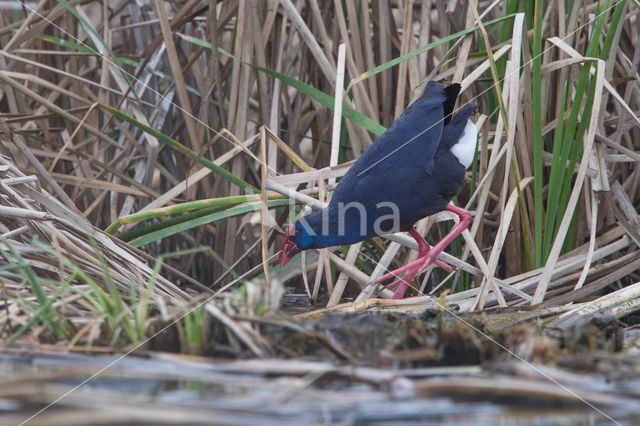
x,y
88,27
158,226
142,309
613,28
537,130
555,171
395,61
68,44
506,31
126,61
220,202
28,274
183,149
176,229
324,99
42,312
570,151
310,91
575,153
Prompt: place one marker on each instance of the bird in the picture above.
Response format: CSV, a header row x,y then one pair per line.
x,y
411,171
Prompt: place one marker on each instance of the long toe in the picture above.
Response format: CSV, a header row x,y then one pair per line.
x,y
429,259
403,283
394,284
401,290
443,265
409,270
409,267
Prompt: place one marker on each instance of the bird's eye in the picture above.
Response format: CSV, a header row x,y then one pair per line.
x,y
296,232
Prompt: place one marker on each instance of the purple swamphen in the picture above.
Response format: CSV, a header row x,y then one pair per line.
x,y
411,171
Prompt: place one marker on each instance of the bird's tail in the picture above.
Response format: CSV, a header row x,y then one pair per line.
x,y
453,131
452,91
463,115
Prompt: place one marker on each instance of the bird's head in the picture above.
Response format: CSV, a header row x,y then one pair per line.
x,y
297,239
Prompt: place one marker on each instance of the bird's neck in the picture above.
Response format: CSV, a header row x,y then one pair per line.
x,y
324,230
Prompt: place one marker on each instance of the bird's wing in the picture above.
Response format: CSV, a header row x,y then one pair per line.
x,y
406,191
412,140
390,183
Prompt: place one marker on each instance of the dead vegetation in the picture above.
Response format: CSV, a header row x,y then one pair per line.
x,y
142,175
149,156
62,66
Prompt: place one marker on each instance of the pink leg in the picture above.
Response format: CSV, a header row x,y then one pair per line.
x,y
423,249
414,267
465,219
427,255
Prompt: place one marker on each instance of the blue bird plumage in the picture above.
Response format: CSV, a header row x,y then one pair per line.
x,y
408,173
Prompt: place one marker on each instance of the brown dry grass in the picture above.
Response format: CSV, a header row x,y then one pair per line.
x,y
90,168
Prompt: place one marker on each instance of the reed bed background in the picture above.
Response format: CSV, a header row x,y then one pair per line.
x,y
152,154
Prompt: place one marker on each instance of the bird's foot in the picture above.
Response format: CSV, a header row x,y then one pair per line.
x,y
440,263
399,293
418,265
401,285
410,271
429,259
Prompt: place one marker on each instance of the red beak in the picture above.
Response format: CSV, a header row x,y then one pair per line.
x,y
289,249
